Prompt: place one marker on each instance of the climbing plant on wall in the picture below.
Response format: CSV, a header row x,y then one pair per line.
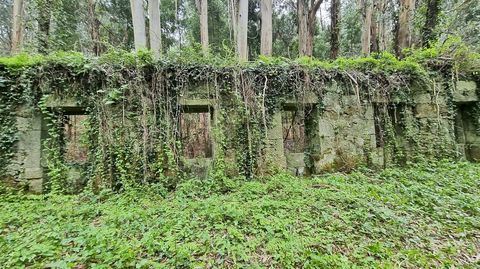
x,y
134,103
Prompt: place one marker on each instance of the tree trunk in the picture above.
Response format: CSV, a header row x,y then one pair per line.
x,y
306,25
266,35
381,25
202,6
403,35
138,20
233,8
302,11
155,30
374,43
367,25
94,24
44,16
335,29
17,26
242,30
430,22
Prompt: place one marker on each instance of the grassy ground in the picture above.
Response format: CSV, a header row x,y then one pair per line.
x,y
422,217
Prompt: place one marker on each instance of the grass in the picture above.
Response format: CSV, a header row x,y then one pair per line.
x,y
426,216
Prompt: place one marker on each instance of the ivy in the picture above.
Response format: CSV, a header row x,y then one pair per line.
x,y
132,102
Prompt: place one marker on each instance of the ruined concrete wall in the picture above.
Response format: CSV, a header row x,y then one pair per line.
x,y
341,132
346,132
26,167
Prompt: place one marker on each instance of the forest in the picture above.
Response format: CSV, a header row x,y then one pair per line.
x,y
239,134
283,28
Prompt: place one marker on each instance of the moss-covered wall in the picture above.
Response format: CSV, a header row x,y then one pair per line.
x,y
341,134
374,113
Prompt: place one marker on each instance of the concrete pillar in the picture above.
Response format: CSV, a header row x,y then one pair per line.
x,y
31,129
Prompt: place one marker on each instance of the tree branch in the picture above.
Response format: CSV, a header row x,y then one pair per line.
x,y
314,10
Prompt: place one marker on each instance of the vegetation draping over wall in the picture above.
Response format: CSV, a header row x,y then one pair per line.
x,y
133,103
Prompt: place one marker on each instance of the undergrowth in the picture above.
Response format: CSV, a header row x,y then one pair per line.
x,y
426,216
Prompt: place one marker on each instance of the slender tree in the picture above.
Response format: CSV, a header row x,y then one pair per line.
x,y
334,29
17,26
44,16
138,19
202,7
430,21
242,29
94,25
155,31
374,27
306,11
266,34
403,34
366,7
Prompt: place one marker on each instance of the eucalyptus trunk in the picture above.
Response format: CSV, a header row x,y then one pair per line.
x,y
17,26
403,35
306,25
431,19
94,25
155,31
335,29
242,30
266,33
43,19
367,25
138,20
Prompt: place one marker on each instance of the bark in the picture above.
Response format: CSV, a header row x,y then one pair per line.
x,y
242,28
381,34
17,26
94,24
306,25
202,6
302,11
233,8
266,35
374,42
366,28
155,31
430,22
335,29
44,16
403,35
138,20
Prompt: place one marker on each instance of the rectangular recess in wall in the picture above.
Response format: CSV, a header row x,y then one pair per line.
x,y
395,114
293,129
75,150
195,132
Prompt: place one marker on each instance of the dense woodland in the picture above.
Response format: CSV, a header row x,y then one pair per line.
x,y
288,28
125,146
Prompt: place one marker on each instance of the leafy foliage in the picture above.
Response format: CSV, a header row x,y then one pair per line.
x,y
425,216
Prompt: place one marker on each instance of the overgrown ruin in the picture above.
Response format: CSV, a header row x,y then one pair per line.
x,y
66,126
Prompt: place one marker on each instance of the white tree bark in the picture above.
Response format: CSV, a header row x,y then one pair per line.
x,y
17,26
266,33
155,30
242,24
202,6
138,19
367,25
404,34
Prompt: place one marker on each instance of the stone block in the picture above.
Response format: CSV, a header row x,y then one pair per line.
x,y
466,91
33,173
461,152
473,152
430,111
295,159
325,128
35,186
424,98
